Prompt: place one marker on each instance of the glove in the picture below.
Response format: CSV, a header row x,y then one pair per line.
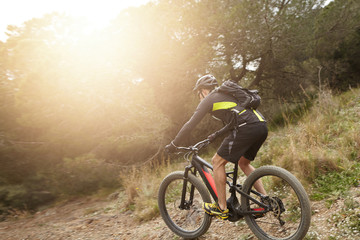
x,y
170,148
211,137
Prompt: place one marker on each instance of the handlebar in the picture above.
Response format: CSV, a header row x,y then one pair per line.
x,y
196,147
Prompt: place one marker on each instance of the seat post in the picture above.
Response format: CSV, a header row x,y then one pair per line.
x,y
236,167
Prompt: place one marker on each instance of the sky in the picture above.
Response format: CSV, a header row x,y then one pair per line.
x,y
99,12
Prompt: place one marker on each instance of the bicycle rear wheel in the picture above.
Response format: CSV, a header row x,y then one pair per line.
x,y
290,213
192,221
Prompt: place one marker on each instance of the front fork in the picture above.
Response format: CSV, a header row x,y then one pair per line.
x,y
183,203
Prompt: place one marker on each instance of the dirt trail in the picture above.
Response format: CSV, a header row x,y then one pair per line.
x,y
89,219
102,219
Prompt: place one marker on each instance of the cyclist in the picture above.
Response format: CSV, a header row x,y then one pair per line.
x,y
240,146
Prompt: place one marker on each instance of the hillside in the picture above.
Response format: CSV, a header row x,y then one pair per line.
x,y
103,219
323,144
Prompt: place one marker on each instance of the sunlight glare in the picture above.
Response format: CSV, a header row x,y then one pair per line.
x,y
98,13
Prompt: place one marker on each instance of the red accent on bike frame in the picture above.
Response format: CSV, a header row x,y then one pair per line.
x,y
210,180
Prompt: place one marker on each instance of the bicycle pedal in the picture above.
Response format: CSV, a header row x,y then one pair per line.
x,y
260,214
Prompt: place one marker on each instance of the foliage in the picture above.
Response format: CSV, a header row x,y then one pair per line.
x,y
74,102
141,189
325,139
22,197
346,221
333,185
84,175
337,44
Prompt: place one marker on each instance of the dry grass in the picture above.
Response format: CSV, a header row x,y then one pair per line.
x,y
325,139
141,188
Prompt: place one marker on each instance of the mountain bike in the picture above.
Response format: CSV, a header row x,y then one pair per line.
x,y
284,213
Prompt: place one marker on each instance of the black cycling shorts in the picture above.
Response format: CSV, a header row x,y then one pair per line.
x,y
246,141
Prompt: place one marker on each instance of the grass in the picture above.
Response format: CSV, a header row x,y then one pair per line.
x,y
141,188
325,139
346,221
334,185
322,150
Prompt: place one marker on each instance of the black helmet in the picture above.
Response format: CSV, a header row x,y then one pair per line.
x,y
208,81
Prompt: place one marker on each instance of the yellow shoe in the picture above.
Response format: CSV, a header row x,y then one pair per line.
x,y
213,209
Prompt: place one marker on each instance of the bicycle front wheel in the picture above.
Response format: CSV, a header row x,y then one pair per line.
x,y
191,221
289,212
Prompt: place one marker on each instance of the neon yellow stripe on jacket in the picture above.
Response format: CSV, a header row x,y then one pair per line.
x,y
223,105
242,111
258,115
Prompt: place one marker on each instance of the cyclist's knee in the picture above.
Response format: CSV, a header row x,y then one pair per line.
x,y
243,162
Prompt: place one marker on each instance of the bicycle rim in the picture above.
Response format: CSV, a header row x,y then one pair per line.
x,y
289,217
192,221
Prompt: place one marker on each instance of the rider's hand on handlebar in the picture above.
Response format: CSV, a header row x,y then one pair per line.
x,y
211,137
170,148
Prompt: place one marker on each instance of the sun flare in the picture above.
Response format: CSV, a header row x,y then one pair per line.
x,y
98,13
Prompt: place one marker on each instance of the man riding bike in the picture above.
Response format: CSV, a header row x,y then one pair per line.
x,y
240,146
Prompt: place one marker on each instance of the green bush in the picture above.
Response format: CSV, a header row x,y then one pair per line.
x,y
21,197
84,175
336,184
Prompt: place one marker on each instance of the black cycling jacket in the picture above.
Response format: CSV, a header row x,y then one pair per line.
x,y
218,105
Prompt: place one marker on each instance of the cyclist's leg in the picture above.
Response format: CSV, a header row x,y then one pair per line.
x,y
258,134
220,179
247,168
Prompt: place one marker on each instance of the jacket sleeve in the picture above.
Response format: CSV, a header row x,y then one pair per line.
x,y
203,108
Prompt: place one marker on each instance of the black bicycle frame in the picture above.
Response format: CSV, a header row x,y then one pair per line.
x,y
201,166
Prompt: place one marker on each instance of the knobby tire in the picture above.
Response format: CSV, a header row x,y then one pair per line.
x,y
182,222
296,213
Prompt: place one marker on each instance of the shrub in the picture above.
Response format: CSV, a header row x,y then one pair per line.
x,y
336,184
22,198
324,140
84,175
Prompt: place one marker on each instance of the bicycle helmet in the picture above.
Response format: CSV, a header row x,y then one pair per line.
x,y
207,81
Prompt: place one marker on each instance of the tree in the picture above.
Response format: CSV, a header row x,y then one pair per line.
x,y
256,43
338,45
